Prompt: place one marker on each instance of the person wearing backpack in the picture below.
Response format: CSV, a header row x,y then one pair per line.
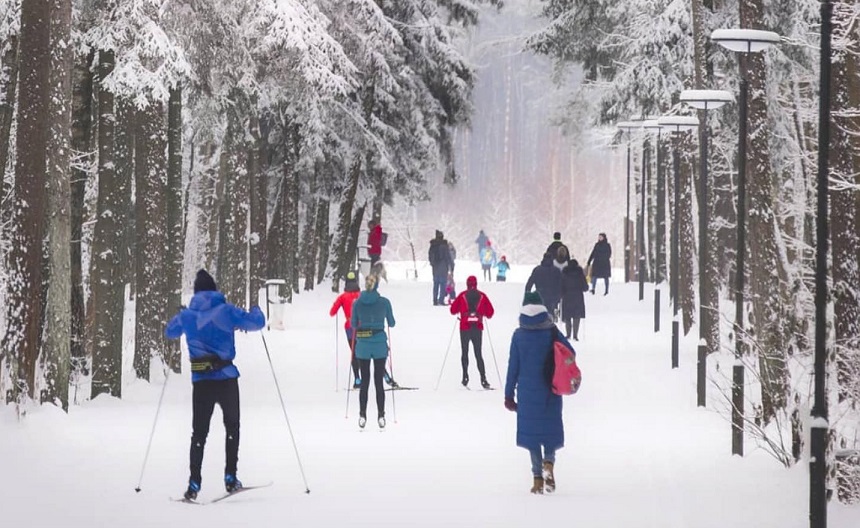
x,y
488,260
374,241
472,306
528,390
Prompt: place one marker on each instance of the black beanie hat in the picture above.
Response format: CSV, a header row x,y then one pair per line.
x,y
204,282
556,236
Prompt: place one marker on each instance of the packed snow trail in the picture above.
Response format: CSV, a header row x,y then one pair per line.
x,y
638,452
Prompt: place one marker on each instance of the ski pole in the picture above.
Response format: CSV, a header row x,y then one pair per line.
x,y
336,351
152,432
450,340
493,350
391,361
352,359
284,408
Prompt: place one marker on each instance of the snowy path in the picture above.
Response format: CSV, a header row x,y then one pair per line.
x,y
639,453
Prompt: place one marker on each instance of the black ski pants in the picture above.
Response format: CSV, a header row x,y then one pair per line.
x,y
205,395
473,335
378,376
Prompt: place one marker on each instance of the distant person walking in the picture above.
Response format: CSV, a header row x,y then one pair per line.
x,y
599,260
553,248
440,260
369,315
502,267
573,285
488,260
374,241
540,428
481,241
209,324
472,306
546,278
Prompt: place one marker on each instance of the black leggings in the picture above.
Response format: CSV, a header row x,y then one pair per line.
x,y
378,374
205,395
474,336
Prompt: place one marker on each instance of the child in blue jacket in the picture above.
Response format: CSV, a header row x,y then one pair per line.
x,y
208,324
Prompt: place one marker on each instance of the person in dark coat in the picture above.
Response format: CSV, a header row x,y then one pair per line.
x,y
599,260
472,306
481,241
440,260
573,285
209,324
528,393
370,312
553,248
546,278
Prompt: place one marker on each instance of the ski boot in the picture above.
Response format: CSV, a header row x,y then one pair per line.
x,y
362,421
390,381
381,422
537,486
548,476
192,491
357,383
231,483
465,381
485,384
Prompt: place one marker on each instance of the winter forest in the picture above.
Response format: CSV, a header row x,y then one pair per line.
x,y
142,140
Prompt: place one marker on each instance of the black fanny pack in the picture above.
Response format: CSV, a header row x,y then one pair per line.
x,y
368,333
208,363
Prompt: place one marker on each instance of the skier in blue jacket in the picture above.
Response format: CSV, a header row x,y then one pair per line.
x,y
370,312
208,324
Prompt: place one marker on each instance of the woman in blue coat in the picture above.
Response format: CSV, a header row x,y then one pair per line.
x,y
539,424
370,312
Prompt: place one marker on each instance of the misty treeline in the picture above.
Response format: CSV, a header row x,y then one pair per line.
x,y
144,139
637,57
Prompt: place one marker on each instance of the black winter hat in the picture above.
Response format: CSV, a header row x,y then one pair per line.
x,y
439,234
204,282
556,236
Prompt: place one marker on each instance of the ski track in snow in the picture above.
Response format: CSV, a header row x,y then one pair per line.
x,y
638,452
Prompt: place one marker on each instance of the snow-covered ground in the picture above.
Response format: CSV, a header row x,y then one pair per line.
x,y
639,453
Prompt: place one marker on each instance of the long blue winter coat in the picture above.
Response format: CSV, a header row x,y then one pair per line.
x,y
370,312
538,409
208,324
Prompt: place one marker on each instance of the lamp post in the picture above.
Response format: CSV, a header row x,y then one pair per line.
x,y
704,100
676,125
741,41
629,127
652,125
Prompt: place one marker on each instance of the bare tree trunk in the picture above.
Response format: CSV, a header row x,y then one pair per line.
x,y
276,239
82,131
323,238
175,233
150,233
310,239
233,246
124,130
341,260
107,288
24,306
57,337
291,215
258,213
8,86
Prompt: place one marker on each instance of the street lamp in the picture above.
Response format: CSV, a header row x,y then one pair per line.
x,y
704,100
652,125
629,127
741,41
676,125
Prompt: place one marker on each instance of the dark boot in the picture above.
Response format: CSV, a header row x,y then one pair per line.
x,y
465,381
537,486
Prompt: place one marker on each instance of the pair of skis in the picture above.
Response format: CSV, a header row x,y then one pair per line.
x,y
243,489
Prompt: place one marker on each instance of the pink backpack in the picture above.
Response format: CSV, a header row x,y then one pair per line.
x,y
566,376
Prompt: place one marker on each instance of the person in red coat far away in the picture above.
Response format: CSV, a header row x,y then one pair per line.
x,y
374,241
472,306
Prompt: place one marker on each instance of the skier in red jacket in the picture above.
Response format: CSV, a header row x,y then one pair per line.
x,y
472,306
374,241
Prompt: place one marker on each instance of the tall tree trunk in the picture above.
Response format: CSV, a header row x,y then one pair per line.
x,y
8,87
175,232
150,234
258,213
107,287
276,239
233,246
341,260
57,337
764,259
124,130
291,215
660,239
687,257
82,131
24,307
323,238
310,238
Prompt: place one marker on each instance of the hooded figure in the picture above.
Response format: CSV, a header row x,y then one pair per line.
x,y
440,260
601,267
369,314
209,324
528,393
553,248
472,306
546,278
